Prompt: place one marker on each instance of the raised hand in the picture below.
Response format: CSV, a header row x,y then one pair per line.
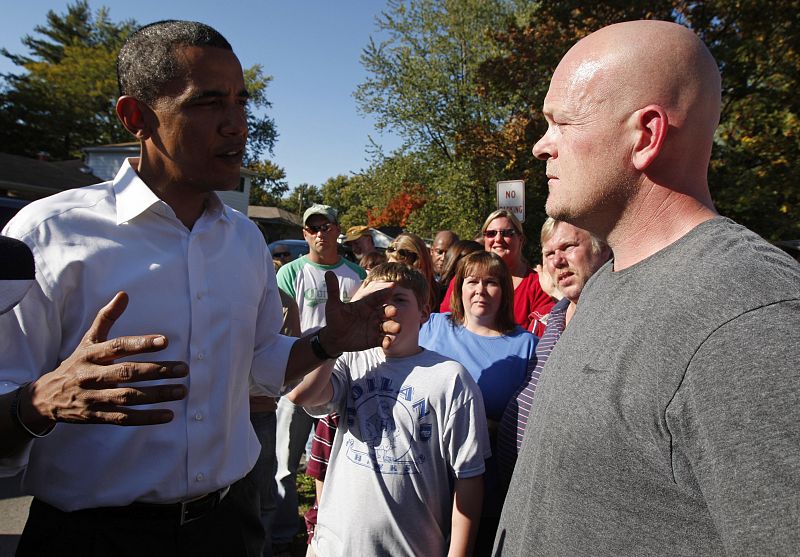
x,y
91,387
360,324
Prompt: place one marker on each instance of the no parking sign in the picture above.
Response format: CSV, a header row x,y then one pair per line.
x,y
511,197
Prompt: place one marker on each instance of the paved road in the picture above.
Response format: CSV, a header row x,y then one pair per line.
x,y
13,514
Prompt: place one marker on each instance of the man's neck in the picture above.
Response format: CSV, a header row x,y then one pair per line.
x,y
647,227
327,260
573,305
187,203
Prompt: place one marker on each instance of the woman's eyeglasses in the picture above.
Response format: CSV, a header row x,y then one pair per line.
x,y
282,254
311,229
505,233
409,256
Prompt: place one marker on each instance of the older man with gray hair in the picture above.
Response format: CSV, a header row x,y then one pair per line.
x,y
570,255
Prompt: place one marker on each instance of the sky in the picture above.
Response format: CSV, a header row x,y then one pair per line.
x,y
311,48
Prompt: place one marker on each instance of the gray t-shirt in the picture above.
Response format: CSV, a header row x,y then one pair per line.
x,y
409,427
667,421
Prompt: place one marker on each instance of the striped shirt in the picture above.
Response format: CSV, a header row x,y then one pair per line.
x,y
515,417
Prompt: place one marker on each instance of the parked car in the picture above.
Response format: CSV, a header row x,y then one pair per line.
x,y
295,248
9,207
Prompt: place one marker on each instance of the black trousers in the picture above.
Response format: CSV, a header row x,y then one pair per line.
x,y
232,529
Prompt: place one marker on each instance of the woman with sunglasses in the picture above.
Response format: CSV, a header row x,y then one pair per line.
x,y
410,249
502,235
482,335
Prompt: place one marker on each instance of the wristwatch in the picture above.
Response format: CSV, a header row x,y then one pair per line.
x,y
319,351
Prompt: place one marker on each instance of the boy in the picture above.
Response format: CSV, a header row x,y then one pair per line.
x,y
406,467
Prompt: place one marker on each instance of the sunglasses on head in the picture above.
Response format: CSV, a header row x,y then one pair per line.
x,y
282,254
409,256
312,229
505,233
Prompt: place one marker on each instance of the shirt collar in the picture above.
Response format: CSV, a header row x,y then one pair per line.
x,y
134,197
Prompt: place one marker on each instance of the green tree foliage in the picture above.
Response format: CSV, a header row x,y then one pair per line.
x,y
301,198
64,100
262,132
268,185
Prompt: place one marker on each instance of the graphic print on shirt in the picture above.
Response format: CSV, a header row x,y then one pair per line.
x,y
384,424
316,296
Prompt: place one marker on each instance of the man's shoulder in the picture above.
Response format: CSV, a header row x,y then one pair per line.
x,y
292,267
347,264
733,260
53,208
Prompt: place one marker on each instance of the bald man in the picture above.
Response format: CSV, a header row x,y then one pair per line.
x,y
666,422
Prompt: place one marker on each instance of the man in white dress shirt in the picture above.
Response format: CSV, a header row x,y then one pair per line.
x,y
198,274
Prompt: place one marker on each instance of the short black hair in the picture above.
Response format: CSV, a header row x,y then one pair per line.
x,y
147,62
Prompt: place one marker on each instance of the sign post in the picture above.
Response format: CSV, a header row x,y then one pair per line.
x,y
511,197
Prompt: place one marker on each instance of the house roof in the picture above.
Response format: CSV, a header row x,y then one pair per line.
x,y
273,215
128,146
34,178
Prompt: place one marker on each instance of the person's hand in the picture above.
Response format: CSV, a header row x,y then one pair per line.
x,y
360,324
548,283
89,387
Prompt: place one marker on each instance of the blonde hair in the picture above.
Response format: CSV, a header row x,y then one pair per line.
x,y
423,263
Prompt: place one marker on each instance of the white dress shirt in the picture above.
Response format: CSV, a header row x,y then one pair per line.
x,y
212,292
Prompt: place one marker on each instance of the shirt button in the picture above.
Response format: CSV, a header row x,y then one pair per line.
x,y
199,477
201,356
198,417
199,295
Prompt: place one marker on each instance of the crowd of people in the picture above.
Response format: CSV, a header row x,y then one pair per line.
x,y
635,396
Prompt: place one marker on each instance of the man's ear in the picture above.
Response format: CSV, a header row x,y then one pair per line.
x,y
135,116
651,125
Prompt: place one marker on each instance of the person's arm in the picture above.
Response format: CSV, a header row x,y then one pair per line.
x,y
90,387
735,418
467,503
362,323
315,389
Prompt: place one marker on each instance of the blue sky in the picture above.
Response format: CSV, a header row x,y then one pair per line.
x,y
310,47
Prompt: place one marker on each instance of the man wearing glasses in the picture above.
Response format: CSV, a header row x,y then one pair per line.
x,y
304,280
282,255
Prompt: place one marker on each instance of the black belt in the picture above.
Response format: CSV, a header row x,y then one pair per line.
x,y
182,512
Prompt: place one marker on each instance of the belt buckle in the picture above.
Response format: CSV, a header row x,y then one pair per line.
x,y
213,499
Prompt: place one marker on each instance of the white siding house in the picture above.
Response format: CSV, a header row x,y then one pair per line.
x,y
105,161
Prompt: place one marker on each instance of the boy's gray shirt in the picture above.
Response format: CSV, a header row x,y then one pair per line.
x,y
667,420
409,427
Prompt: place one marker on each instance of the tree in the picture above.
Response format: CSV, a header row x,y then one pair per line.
x,y
65,98
262,132
303,197
422,77
268,185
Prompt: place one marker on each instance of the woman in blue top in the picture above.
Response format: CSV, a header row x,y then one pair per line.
x,y
481,334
